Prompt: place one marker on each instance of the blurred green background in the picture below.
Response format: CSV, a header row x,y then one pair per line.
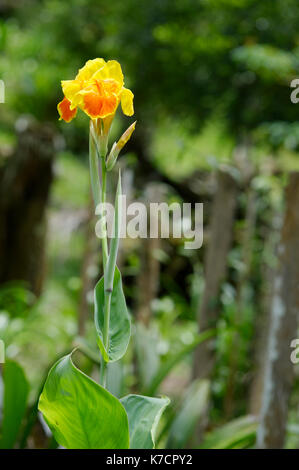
x,y
215,124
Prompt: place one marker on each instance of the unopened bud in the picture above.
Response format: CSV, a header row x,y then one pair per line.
x,y
126,136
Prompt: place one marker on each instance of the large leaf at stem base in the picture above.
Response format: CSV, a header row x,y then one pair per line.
x,y
80,413
16,390
144,414
119,326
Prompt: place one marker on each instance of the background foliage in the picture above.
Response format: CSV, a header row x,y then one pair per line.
x,y
211,80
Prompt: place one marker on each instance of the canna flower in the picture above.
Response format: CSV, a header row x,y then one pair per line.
x,y
97,90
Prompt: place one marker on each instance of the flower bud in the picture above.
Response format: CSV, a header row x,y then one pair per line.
x,y
117,146
126,136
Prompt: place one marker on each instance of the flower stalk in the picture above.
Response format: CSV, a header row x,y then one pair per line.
x,y
99,192
104,227
109,259
109,422
94,169
98,89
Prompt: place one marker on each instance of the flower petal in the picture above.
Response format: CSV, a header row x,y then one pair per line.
x,y
91,66
127,102
111,70
65,111
115,71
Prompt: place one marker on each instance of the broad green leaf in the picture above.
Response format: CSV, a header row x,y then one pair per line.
x,y
81,413
16,390
119,326
237,434
166,367
143,414
184,423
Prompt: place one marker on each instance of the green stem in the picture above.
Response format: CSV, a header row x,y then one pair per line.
x,y
114,241
94,171
109,275
103,372
109,260
96,153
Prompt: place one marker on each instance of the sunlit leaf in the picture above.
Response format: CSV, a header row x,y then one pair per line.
x,y
81,413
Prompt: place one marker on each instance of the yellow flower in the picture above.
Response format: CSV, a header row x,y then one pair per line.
x,y
97,89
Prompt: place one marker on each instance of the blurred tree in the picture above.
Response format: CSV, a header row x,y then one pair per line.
x,y
25,180
220,231
190,61
284,325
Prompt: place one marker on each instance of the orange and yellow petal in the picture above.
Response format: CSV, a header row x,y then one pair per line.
x,y
89,69
127,102
70,88
97,90
65,111
110,86
97,106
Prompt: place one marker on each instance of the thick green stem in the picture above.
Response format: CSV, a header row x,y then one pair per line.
x,y
99,196
103,374
104,228
114,241
94,171
98,150
109,276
